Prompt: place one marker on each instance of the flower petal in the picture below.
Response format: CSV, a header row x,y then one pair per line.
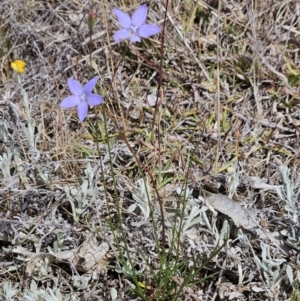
x,y
94,99
75,87
90,85
123,18
121,35
82,110
70,102
148,30
134,39
139,16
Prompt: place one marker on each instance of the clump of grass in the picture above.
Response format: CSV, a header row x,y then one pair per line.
x,y
295,295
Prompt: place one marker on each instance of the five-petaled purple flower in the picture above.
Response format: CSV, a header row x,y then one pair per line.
x,y
82,97
134,28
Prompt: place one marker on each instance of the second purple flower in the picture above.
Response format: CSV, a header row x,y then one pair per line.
x,y
82,97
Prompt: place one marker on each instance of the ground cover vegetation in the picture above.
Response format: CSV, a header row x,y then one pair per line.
x,y
149,150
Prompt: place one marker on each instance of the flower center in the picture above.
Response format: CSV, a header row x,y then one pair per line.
x,y
132,30
83,97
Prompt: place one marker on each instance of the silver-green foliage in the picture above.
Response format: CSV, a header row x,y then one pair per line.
x,y
7,292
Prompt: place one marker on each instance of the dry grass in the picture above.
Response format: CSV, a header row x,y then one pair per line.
x,y
229,106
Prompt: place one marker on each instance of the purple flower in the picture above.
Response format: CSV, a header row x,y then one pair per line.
x,y
82,97
134,28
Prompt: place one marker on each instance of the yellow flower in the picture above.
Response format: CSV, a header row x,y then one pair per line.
x,y
18,66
